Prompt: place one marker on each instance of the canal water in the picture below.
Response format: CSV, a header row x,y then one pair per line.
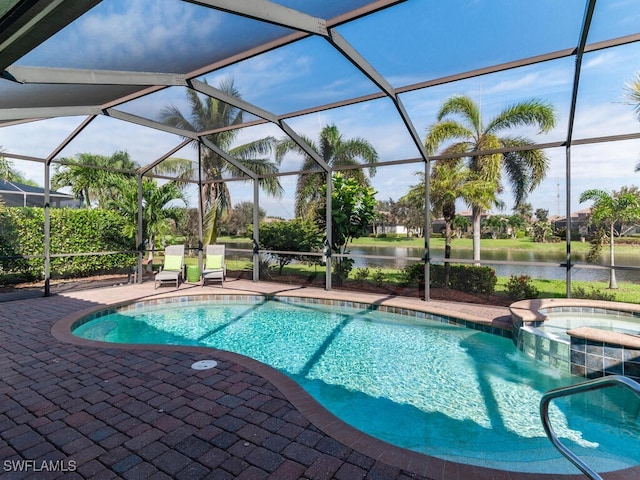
x,y
552,271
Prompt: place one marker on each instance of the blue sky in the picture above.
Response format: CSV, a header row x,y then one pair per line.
x,y
408,43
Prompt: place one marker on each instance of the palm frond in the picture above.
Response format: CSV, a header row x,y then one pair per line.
x,y
525,169
181,168
286,145
443,131
262,146
172,116
527,113
633,94
464,107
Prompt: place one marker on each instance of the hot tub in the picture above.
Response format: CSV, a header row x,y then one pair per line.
x,y
590,338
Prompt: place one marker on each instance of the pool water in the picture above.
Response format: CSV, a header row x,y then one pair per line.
x,y
558,323
451,392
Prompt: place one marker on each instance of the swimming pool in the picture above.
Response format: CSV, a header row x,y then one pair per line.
x,y
451,392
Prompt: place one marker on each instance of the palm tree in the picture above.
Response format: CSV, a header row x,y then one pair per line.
x,y
633,94
336,152
211,114
9,174
158,208
450,181
496,224
459,121
460,224
89,177
609,210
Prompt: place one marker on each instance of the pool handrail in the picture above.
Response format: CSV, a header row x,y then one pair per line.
x,y
595,384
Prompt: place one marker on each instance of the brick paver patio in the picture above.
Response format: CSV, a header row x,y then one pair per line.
x,y
78,411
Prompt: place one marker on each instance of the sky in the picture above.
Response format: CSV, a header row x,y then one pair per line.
x,y
408,43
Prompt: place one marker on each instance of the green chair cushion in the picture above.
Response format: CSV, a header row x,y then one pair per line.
x,y
172,262
214,262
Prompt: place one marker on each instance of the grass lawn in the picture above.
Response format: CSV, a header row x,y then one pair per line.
x,y
627,292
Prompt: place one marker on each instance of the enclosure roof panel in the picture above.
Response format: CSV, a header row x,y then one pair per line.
x,y
308,59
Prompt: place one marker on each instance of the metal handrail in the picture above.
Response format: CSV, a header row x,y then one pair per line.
x,y
596,384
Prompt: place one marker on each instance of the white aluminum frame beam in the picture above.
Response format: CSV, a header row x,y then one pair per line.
x,y
271,13
38,113
155,163
361,64
70,137
206,89
145,122
39,20
582,43
127,117
77,76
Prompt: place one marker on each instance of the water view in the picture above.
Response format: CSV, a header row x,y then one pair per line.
x,y
402,256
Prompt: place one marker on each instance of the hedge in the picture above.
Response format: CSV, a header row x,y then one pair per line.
x,y
71,231
466,278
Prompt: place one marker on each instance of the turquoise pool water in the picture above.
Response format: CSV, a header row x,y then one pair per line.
x,y
451,392
558,323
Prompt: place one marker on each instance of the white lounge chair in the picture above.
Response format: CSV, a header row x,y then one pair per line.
x,y
172,269
215,268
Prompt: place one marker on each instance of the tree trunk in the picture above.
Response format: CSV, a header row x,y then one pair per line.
x,y
149,267
477,214
612,272
447,253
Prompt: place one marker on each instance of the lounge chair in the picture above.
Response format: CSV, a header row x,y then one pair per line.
x,y
172,269
215,268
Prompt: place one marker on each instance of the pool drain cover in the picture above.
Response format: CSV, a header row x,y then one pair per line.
x,y
204,365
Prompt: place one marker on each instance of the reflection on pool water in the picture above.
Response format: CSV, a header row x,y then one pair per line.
x,y
451,392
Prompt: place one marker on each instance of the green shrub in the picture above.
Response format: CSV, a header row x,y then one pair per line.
x,y
265,267
594,294
361,274
520,287
378,277
412,274
471,279
341,267
466,278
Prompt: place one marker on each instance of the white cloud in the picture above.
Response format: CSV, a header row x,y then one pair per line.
x,y
601,59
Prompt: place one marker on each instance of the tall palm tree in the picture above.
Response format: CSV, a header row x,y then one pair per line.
x,y
450,181
88,177
336,151
206,114
460,122
609,210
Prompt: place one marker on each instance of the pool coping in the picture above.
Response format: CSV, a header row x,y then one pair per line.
x,y
531,312
408,460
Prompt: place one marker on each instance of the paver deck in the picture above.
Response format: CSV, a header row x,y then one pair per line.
x,y
73,410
